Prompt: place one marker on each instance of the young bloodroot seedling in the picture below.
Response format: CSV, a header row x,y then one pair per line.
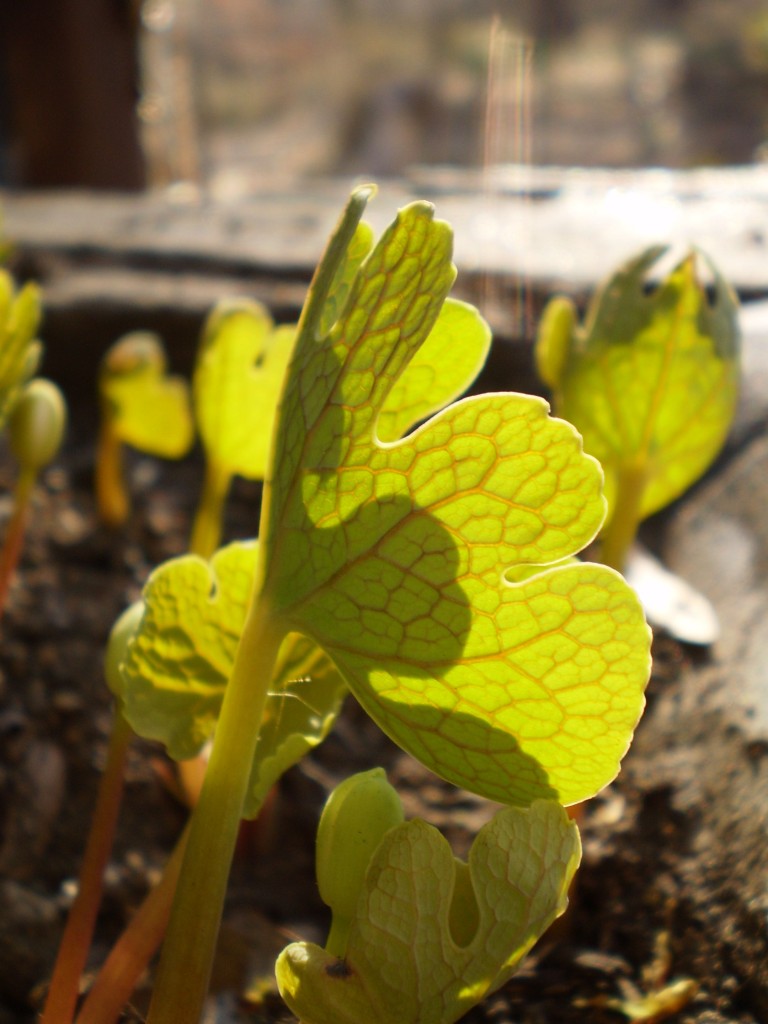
x,y
423,936
141,406
237,380
432,570
650,381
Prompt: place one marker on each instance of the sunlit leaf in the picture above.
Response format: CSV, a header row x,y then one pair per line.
x,y
149,409
651,378
238,375
399,558
180,660
406,961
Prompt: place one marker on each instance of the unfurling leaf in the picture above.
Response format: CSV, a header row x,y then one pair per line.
x,y
413,955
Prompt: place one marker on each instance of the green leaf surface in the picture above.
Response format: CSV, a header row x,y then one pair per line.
x,y
180,659
238,376
20,352
405,560
406,961
440,370
651,379
150,409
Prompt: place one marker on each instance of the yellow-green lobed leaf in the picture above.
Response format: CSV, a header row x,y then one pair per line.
x,y
180,659
651,380
405,962
149,408
399,558
238,376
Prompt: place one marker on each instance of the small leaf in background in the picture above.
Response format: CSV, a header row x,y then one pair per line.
x,y
148,409
181,656
651,378
407,962
405,559
238,376
20,352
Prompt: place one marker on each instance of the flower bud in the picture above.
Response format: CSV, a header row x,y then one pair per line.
x,y
357,815
36,426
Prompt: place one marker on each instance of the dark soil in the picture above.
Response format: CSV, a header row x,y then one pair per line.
x,y
633,925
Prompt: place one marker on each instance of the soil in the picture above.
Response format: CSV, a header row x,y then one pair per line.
x,y
635,922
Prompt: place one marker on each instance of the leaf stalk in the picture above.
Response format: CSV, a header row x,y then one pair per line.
x,y
187,957
78,933
621,530
207,527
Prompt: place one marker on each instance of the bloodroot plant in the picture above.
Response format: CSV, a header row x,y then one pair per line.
x,y
428,569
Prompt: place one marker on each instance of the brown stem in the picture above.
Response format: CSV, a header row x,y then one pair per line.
x,y
76,941
134,949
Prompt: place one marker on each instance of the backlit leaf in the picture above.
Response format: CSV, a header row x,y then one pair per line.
x,y
149,409
238,375
402,560
405,961
651,378
181,657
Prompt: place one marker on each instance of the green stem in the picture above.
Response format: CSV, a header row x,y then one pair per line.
x,y
14,537
129,957
207,527
185,964
622,527
78,933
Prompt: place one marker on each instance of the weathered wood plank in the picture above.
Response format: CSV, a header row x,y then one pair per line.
x,y
551,226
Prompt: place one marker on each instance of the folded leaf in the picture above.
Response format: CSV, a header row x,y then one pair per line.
x,y
404,963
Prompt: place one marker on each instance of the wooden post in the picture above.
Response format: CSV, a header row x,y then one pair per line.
x,y
72,83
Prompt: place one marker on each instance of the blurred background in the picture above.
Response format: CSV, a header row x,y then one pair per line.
x,y
226,96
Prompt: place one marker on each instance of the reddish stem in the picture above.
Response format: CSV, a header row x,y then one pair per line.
x,y
76,941
14,538
134,949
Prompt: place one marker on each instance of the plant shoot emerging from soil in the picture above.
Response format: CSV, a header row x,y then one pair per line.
x,y
237,381
141,406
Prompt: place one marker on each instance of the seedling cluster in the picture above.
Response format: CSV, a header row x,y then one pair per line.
x,y
419,551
